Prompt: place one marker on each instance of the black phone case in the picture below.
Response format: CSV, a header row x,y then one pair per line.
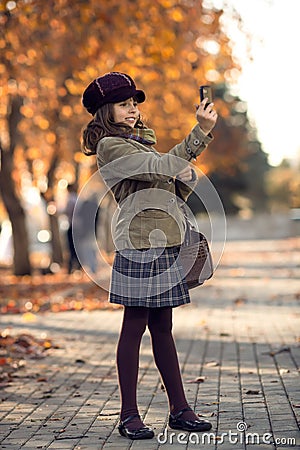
x,y
204,94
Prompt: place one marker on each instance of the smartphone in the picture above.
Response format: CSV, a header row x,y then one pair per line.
x,y
206,92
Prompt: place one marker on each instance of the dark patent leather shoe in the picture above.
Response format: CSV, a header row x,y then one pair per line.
x,y
141,433
177,423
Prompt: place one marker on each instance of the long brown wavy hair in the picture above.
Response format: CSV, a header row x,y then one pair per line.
x,y
103,125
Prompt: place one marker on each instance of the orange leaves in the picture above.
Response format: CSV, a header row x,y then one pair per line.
x,y
175,134
177,15
47,83
32,53
58,25
16,349
171,102
50,138
41,122
93,42
27,111
56,293
53,50
73,87
173,73
192,56
66,111
167,3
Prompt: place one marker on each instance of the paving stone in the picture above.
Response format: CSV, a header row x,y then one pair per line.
x,y
231,335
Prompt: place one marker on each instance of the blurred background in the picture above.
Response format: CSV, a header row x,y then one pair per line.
x,y
50,51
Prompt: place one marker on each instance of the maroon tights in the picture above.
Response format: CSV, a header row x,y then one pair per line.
x,y
159,321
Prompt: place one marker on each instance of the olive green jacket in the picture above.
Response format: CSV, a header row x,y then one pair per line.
x,y
145,187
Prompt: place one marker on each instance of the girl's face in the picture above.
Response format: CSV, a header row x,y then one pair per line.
x,y
126,112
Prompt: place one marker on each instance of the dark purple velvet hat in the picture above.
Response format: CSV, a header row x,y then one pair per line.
x,y
113,87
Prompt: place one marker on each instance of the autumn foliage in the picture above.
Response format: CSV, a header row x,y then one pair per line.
x,y
50,51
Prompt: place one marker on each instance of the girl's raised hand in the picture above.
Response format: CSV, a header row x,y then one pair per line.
x,y
186,174
206,117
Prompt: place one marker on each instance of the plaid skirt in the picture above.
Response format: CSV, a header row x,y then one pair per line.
x,y
152,278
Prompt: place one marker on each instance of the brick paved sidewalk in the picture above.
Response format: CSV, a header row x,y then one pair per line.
x,y
239,340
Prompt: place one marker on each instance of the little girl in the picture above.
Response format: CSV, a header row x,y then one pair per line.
x,y
147,277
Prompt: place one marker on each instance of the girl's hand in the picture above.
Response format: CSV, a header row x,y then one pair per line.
x,y
186,174
206,117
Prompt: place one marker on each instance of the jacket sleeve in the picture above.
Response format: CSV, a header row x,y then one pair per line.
x,y
184,189
120,158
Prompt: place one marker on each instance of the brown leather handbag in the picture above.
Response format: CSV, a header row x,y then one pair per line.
x,y
195,257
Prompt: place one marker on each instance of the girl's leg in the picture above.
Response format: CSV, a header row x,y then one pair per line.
x,y
134,324
165,355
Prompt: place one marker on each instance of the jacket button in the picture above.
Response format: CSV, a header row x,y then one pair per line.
x,y
196,142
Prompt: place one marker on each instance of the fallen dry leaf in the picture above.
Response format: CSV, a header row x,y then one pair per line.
x,y
276,352
283,371
56,292
15,350
211,414
240,301
197,380
212,364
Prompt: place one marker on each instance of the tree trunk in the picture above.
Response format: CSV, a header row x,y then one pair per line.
x,y
16,216
11,201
